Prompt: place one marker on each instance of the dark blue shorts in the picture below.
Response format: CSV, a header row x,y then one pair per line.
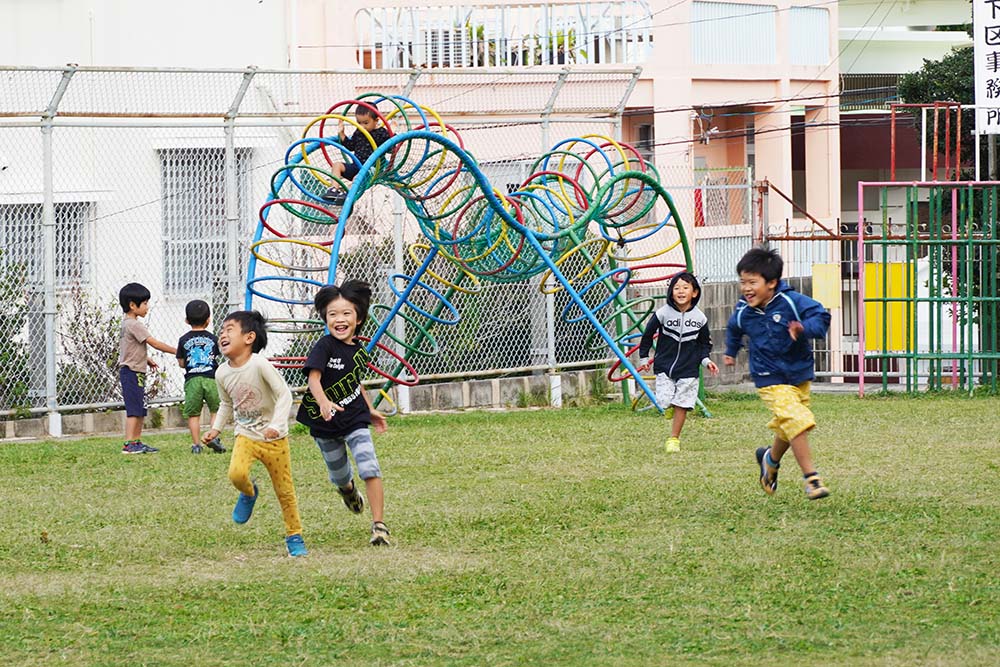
x,y
133,391
350,170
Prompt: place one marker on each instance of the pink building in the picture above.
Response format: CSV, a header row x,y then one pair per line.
x,y
723,85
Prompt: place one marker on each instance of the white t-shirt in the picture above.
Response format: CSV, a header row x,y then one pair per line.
x,y
255,395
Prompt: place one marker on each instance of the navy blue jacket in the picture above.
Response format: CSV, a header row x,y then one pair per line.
x,y
774,357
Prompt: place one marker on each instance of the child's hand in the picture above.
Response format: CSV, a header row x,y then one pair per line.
x,y
211,435
643,364
327,408
712,367
794,329
378,421
728,361
271,433
151,363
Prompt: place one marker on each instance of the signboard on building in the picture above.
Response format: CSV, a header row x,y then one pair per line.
x,y
986,38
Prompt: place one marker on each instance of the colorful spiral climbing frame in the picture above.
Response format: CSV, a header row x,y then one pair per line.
x,y
591,220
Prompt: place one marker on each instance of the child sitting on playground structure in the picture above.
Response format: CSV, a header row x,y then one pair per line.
x,y
336,408
197,351
256,396
133,360
358,144
779,322
683,345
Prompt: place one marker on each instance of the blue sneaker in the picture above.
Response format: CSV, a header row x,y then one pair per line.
x,y
296,547
146,449
244,506
133,448
768,470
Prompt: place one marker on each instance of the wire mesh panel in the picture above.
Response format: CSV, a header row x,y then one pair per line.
x,y
151,183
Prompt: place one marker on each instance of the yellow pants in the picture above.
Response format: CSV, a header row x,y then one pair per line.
x,y
790,406
277,458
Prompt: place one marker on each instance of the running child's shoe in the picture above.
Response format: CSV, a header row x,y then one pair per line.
x,y
133,448
380,535
673,444
244,506
815,489
296,546
768,470
146,449
216,446
196,449
353,498
334,196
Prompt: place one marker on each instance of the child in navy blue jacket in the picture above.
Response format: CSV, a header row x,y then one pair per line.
x,y
778,322
683,344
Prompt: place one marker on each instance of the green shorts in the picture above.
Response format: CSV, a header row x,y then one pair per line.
x,y
198,390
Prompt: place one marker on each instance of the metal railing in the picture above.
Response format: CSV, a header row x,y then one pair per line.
x,y
517,35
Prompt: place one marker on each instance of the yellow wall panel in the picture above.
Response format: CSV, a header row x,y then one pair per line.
x,y
885,323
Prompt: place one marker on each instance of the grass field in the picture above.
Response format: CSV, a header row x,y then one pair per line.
x,y
535,537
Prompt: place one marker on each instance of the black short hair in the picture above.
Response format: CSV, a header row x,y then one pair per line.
x,y
251,321
365,111
132,293
197,313
765,263
358,292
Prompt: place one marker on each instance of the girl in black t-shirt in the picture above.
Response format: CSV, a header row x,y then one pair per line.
x,y
336,408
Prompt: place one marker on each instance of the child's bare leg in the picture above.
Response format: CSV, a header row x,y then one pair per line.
x,y
194,425
133,428
338,169
680,414
376,499
800,449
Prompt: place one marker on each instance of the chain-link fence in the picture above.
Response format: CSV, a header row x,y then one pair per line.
x,y
110,176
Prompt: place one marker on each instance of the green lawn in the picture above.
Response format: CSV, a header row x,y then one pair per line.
x,y
536,537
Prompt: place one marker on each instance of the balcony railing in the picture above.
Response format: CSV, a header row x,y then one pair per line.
x,y
860,92
510,35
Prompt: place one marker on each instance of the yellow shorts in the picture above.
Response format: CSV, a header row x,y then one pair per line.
x,y
790,406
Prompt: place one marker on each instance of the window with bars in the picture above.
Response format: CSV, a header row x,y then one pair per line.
x,y
194,216
21,240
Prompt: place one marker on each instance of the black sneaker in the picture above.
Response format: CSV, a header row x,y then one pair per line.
x,y
146,449
216,446
380,535
334,196
353,498
196,449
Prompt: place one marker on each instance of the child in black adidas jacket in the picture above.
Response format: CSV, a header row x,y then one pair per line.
x,y
683,345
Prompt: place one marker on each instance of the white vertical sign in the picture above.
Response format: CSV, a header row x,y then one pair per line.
x,y
986,38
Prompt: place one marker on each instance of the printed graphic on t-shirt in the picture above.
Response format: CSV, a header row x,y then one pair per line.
x,y
247,406
198,354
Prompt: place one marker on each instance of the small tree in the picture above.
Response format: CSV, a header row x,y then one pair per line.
x,y
90,337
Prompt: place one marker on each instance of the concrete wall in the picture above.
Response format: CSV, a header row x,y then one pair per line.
x,y
495,393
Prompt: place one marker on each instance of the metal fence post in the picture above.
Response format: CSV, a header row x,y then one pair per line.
x,y
49,255
233,273
399,325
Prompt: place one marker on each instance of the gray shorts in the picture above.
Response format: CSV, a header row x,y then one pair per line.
x,y
682,393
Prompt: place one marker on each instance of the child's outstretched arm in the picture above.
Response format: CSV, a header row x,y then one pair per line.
x,y
647,336
704,342
161,346
326,406
222,416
